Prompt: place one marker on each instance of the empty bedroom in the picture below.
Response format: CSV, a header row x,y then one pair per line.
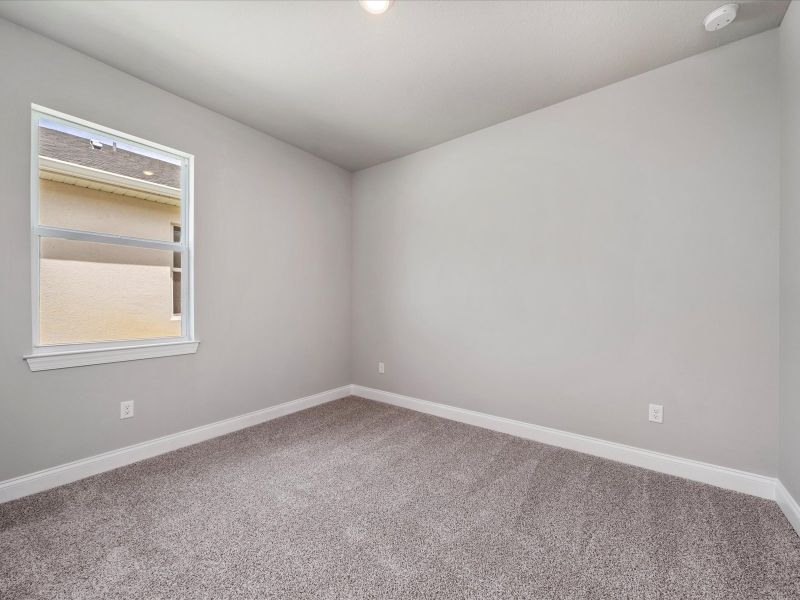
x,y
455,299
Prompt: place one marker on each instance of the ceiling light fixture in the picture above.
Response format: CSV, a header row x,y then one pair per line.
x,y
376,7
147,173
721,17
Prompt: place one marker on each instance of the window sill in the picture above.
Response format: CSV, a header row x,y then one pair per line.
x,y
54,359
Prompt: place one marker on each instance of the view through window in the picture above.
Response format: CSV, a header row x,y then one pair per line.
x,y
110,233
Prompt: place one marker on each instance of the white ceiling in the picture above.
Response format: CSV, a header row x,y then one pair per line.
x,y
359,89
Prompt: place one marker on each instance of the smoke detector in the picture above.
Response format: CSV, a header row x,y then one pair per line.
x,y
721,17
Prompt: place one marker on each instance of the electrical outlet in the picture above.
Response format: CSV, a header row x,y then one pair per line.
x,y
656,414
126,409
381,368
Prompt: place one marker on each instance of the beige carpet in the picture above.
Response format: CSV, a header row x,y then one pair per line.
x,y
356,499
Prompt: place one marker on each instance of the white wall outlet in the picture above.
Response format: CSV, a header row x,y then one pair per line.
x,y
126,409
381,368
656,414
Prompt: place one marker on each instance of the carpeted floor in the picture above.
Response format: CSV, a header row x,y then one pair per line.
x,y
356,499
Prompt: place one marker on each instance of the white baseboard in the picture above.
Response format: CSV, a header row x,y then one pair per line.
x,y
740,481
79,469
788,505
724,477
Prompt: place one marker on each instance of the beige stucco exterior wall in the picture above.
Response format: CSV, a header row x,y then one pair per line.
x,y
100,292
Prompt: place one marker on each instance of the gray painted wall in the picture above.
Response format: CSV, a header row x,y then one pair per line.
x,y
570,266
790,252
565,268
272,269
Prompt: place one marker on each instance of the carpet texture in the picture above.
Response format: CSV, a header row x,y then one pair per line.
x,y
356,499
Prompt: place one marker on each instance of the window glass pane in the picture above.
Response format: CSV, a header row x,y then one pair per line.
x,y
91,292
90,182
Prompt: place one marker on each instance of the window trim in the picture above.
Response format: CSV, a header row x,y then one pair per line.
x,y
62,359
59,356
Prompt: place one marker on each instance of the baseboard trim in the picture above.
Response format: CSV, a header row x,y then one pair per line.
x,y
733,479
788,505
724,477
39,481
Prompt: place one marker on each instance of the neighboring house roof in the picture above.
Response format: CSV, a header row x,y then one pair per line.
x,y
80,151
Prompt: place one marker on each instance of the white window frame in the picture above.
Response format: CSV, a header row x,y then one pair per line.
x,y
60,356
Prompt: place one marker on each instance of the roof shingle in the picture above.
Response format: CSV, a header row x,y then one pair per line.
x,y
77,150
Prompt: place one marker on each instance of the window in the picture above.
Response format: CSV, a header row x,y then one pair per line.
x,y
111,245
